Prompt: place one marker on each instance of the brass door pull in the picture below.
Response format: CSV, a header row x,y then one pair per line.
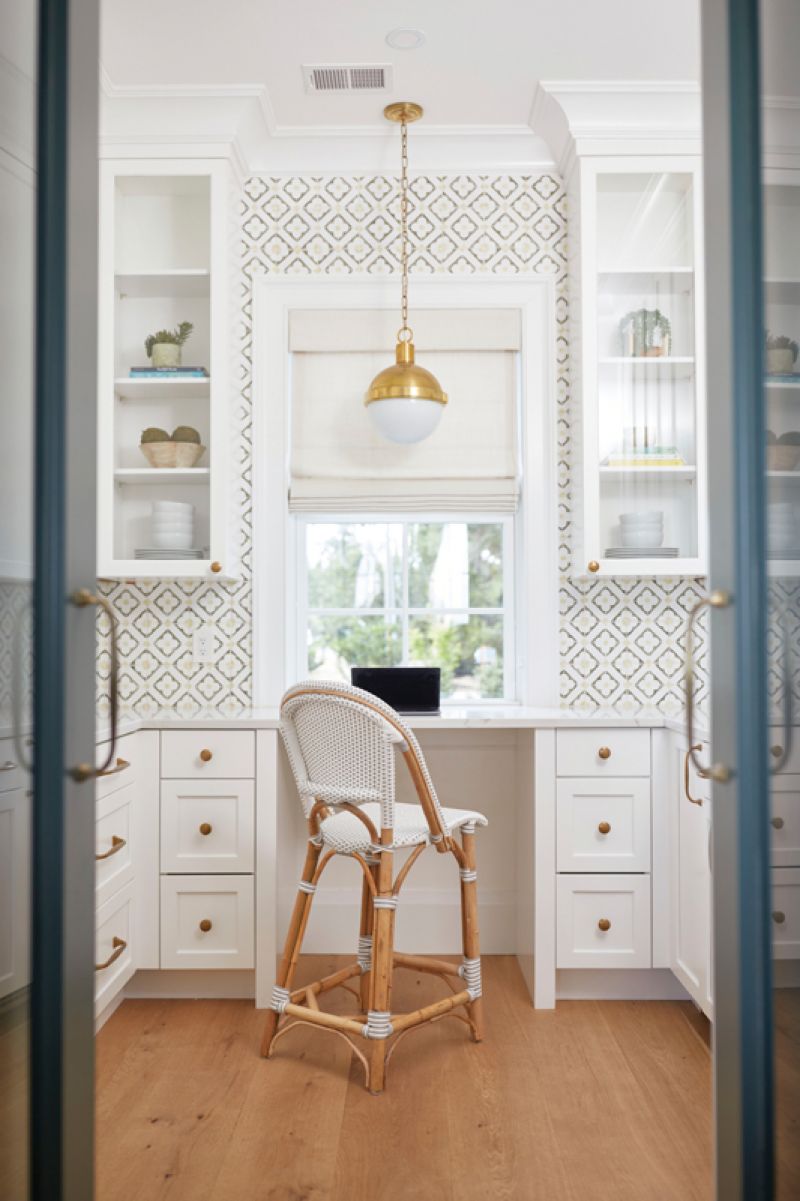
x,y
216,567
594,566
605,752
84,771
778,823
206,756
205,827
693,800
205,925
120,765
604,827
778,917
718,599
604,924
117,844
119,945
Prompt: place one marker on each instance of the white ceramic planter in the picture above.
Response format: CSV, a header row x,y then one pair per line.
x,y
166,354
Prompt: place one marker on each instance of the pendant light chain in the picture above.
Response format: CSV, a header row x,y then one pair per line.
x,y
404,224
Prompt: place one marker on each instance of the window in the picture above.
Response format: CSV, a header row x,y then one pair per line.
x,y
378,593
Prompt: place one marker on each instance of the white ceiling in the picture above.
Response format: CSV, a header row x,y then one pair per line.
x,y
479,66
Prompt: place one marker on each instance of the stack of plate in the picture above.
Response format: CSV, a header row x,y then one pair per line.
x,y
172,528
783,535
152,552
648,552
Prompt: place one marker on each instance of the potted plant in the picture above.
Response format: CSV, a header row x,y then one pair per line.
x,y
182,448
781,354
164,347
646,333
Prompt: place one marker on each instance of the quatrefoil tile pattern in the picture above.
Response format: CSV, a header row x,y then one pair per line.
x,y
621,641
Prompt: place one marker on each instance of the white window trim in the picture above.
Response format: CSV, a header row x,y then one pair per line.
x,y
536,522
299,591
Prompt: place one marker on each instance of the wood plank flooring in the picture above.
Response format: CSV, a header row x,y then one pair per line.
x,y
595,1101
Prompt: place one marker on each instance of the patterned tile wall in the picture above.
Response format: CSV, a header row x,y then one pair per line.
x,y
620,639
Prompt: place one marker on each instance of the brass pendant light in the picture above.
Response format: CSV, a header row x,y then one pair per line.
x,y
404,401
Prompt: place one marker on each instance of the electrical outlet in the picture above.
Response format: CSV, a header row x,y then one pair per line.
x,y
203,644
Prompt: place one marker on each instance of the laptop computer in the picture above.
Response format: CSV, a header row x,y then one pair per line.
x,y
410,690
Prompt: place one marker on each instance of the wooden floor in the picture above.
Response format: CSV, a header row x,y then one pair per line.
x,y
595,1101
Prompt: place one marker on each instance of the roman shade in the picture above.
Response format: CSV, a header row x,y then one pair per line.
x,y
340,463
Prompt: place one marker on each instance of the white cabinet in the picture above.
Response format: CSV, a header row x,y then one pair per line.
x,y
15,851
691,881
603,921
786,913
115,951
207,922
639,327
207,754
603,825
610,752
164,261
207,825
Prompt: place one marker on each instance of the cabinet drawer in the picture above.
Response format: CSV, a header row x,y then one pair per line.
x,y
601,752
786,913
207,826
11,772
777,742
603,825
122,771
785,821
207,754
113,842
206,921
114,951
586,904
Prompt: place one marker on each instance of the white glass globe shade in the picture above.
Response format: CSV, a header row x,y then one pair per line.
x,y
405,418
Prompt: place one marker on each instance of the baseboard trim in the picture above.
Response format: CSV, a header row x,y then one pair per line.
x,y
163,985
618,984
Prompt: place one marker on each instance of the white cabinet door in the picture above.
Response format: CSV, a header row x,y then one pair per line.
x,y
786,913
691,877
603,825
785,802
15,848
114,842
207,922
603,921
115,960
207,826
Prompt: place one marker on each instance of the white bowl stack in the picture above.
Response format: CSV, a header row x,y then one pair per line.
x,y
641,531
172,525
782,529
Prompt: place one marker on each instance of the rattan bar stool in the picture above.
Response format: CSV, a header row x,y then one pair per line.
x,y
341,744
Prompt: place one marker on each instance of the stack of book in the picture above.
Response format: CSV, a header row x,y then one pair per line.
x,y
646,456
168,373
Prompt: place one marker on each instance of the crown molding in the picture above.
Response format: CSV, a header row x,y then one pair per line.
x,y
237,121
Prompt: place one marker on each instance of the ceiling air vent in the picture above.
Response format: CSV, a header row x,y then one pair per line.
x,y
334,77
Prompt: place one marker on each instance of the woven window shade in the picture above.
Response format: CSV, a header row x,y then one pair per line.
x,y
340,463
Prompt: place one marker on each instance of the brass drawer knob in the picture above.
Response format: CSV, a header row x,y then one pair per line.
x,y
205,925
778,917
604,827
604,924
776,751
605,752
778,823
206,756
216,567
594,566
205,827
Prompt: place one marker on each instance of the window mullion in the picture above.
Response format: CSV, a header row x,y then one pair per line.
x,y
405,594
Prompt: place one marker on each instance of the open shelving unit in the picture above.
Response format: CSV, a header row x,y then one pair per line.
x,y
640,243
162,261
782,316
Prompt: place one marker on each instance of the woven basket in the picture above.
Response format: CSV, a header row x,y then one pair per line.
x,y
173,454
782,457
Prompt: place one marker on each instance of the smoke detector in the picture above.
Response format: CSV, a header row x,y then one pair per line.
x,y
347,77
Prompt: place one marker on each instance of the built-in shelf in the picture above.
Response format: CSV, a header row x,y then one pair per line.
x,y
645,271
648,360
782,384
782,291
162,475
794,476
672,473
126,388
666,281
140,284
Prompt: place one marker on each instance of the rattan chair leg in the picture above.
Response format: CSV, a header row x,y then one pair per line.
x,y
365,931
382,964
294,941
469,926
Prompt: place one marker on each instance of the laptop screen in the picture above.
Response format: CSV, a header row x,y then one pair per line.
x,y
406,689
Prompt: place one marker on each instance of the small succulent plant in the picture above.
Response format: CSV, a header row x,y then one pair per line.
x,y
176,337
781,342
